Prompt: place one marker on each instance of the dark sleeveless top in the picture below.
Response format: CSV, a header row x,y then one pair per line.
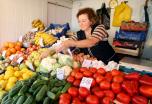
x,y
102,50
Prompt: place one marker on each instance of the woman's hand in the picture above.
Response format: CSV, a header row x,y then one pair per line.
x,y
65,45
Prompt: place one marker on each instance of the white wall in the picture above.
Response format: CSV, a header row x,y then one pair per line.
x,y
96,4
17,15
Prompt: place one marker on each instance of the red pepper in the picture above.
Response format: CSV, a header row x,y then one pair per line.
x,y
146,80
132,76
139,100
131,87
146,90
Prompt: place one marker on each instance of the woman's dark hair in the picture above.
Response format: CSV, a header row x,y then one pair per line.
x,y
90,12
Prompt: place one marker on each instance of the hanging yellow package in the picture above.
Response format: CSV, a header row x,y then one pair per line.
x,y
122,13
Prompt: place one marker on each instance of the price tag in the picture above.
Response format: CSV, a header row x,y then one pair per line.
x,y
30,65
12,57
70,53
4,53
20,39
41,42
34,30
60,74
86,63
94,64
20,60
86,82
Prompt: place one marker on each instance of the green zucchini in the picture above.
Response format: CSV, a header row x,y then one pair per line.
x,y
8,101
5,97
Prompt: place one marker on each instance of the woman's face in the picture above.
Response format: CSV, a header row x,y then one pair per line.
x,y
84,22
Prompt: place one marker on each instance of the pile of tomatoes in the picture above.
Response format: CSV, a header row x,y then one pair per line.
x,y
106,87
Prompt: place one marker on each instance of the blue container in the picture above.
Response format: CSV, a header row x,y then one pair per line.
x,y
129,35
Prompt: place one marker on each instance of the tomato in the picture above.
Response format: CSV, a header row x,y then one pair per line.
x,y
92,99
83,69
146,90
96,75
108,76
93,70
64,101
99,79
76,83
118,79
101,71
123,98
76,101
107,100
139,100
105,85
115,72
78,75
73,73
93,83
96,88
87,73
70,79
65,96
99,94
73,91
109,93
84,92
116,88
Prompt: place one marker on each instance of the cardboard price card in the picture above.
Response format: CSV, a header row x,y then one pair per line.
x,y
86,82
4,53
86,63
60,74
41,42
20,60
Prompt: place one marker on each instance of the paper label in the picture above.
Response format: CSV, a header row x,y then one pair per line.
x,y
94,64
60,74
41,42
86,63
86,82
20,39
4,53
34,30
12,57
20,60
30,65
70,53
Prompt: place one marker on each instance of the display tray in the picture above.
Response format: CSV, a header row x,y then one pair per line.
x,y
129,64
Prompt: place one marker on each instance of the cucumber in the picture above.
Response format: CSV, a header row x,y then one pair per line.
x,y
56,89
21,99
38,83
29,100
60,83
40,95
8,101
31,80
23,90
5,97
14,90
66,87
15,99
37,90
52,83
46,100
51,95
